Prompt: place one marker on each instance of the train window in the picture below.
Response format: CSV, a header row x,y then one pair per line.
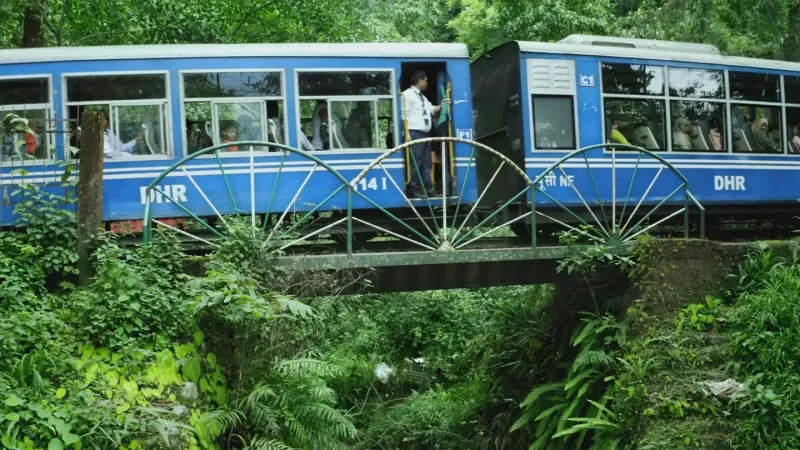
x,y
637,122
756,87
116,87
696,83
792,87
756,128
553,122
232,84
344,83
346,110
793,129
29,99
135,108
632,79
222,107
698,126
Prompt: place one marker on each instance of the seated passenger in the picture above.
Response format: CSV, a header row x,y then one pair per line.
x,y
714,134
616,135
113,147
229,135
680,135
320,124
762,142
795,139
305,144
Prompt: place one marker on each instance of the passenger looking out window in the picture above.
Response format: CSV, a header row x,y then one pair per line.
x,y
680,136
229,133
796,139
113,147
616,135
715,134
762,141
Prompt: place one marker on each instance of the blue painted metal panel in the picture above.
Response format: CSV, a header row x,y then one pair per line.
x,y
124,180
714,178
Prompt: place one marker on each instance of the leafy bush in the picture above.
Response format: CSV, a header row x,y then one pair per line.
x,y
765,333
135,295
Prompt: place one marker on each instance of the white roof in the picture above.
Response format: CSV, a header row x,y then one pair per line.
x,y
649,53
379,50
648,44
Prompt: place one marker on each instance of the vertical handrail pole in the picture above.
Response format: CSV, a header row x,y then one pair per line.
x,y
350,221
533,217
444,192
686,211
90,191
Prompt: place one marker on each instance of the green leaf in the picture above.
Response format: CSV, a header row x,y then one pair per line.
x,y
212,360
537,392
70,438
295,307
136,306
549,411
12,417
13,400
61,393
521,422
191,369
55,444
198,337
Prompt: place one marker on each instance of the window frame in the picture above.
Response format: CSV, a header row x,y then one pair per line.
x,y
573,116
374,98
51,128
727,101
218,100
573,94
165,103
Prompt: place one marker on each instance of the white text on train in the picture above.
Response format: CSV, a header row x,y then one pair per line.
x,y
176,191
371,184
729,183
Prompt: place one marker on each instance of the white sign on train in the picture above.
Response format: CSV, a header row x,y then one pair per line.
x,y
176,191
551,180
729,183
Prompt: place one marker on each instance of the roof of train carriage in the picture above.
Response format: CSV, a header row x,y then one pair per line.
x,y
648,49
349,50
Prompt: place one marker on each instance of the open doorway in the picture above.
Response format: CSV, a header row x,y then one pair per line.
x,y
437,79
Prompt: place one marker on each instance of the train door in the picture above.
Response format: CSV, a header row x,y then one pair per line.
x,y
436,73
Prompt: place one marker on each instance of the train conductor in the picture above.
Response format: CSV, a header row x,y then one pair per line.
x,y
420,119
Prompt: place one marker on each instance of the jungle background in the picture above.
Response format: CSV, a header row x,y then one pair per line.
x,y
152,355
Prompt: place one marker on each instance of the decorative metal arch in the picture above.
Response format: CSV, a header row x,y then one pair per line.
x,y
276,231
619,226
439,231
444,224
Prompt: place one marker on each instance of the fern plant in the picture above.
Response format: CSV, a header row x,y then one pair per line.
x,y
562,414
292,408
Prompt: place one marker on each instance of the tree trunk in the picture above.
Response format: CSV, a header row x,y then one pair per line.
x,y
33,25
791,43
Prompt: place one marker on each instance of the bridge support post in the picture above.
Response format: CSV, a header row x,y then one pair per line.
x,y
90,190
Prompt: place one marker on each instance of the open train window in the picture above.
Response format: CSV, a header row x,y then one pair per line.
x,y
551,84
347,109
29,99
136,110
222,107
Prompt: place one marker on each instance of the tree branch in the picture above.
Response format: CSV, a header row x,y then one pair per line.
x,y
247,17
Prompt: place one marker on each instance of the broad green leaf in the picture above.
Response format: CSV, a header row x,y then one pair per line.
x,y
13,400
55,444
537,392
61,393
191,369
12,417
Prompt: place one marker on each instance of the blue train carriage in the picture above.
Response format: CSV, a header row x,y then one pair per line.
x,y
729,125
340,103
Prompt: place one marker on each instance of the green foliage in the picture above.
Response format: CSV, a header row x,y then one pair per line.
x,y
562,413
699,315
135,295
765,332
586,256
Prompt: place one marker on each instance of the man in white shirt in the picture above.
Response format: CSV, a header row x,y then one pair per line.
x,y
113,147
420,113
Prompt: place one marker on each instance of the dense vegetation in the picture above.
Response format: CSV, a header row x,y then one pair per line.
x,y
764,28
150,356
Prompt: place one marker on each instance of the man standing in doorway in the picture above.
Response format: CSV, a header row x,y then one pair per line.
x,y
420,113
